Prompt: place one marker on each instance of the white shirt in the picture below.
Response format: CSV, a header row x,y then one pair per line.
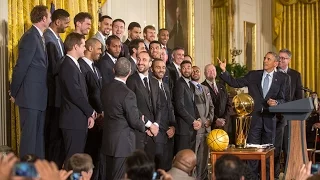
x,y
187,80
284,70
142,76
177,67
213,84
104,38
146,43
118,79
270,78
40,32
58,38
89,62
114,60
75,61
134,60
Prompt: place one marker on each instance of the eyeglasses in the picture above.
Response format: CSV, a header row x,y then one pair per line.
x,y
283,58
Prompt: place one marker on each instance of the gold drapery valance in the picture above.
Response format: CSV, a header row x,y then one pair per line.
x,y
291,2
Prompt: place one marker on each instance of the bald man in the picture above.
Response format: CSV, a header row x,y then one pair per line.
x,y
183,165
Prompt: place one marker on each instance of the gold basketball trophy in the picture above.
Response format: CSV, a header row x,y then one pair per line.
x,y
243,105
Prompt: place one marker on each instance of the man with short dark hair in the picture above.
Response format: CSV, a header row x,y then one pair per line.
x,y
134,32
139,166
29,83
80,163
104,30
163,38
82,23
135,47
229,167
55,50
118,26
149,35
122,119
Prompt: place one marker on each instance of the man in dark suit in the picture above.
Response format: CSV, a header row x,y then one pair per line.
x,y
187,115
121,120
149,35
147,91
82,23
205,108
29,83
164,139
118,26
174,69
104,30
163,38
55,50
94,85
267,88
76,113
135,47
134,32
106,63
295,94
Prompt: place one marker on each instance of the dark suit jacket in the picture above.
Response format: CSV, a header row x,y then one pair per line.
x,y
185,109
75,108
133,65
94,85
120,120
169,53
173,75
124,51
127,42
295,84
106,65
29,78
55,58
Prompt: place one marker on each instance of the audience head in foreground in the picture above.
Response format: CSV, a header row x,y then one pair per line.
x,y
139,166
228,167
183,165
80,163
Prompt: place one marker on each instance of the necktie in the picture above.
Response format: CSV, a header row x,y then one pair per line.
x,y
215,88
94,70
162,88
146,84
199,87
43,43
265,87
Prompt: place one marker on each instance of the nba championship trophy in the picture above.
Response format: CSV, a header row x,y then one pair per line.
x,y
243,105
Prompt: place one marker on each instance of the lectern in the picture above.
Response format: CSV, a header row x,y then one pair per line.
x,y
296,112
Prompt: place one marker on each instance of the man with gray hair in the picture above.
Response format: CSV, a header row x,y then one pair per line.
x,y
121,119
267,88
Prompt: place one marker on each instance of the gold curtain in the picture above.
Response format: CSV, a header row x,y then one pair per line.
x,y
220,29
19,22
297,28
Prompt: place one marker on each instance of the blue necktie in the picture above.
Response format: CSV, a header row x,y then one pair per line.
x,y
199,87
265,88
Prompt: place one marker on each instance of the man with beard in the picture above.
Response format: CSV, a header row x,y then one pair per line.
x,y
155,49
104,29
94,86
164,140
206,111
163,37
135,47
118,26
149,35
55,50
106,63
147,92
187,115
82,23
134,32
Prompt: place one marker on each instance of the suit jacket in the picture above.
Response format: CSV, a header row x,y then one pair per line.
x,y
185,109
75,108
94,85
106,65
55,57
169,53
29,78
295,85
102,41
120,120
178,174
133,65
205,107
124,51
127,42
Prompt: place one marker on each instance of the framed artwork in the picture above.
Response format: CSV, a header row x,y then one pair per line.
x,y
178,17
249,45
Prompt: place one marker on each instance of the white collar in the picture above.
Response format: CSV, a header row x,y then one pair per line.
x,y
160,82
74,60
134,60
187,80
176,65
118,79
55,35
270,73
195,83
112,58
142,76
88,61
103,37
40,32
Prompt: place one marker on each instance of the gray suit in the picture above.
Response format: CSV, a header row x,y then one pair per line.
x,y
103,42
206,111
29,88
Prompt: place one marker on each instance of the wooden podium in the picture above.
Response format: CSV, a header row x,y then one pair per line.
x,y
296,112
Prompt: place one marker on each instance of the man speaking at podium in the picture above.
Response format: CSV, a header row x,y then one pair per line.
x,y
267,88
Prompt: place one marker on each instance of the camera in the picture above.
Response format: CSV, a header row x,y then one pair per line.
x,y
75,176
25,169
315,168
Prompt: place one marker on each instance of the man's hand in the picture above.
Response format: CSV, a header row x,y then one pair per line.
x,y
171,131
197,124
149,133
90,122
222,64
207,123
85,175
64,174
46,170
272,102
305,171
6,165
154,129
165,175
220,122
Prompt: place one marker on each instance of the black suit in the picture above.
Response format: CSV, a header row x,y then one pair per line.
x,y
75,108
127,42
124,51
149,106
169,53
29,88
186,112
173,75
120,122
53,134
106,65
133,65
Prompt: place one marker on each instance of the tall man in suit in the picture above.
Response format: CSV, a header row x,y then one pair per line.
x,y
295,94
118,26
206,111
76,113
149,35
82,23
134,32
187,115
267,88
164,140
94,85
147,91
135,47
29,83
106,63
104,30
163,38
55,50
